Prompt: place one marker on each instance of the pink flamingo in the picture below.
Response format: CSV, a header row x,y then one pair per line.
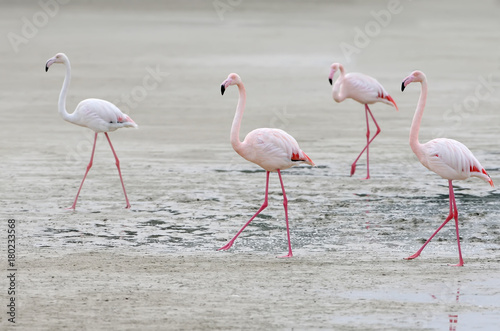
x,y
95,114
448,158
272,149
366,90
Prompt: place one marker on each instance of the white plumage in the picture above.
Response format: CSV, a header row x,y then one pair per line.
x,y
100,116
451,160
272,149
95,114
448,158
363,89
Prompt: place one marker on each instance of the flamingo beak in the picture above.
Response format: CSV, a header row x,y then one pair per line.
x,y
330,76
407,82
224,85
49,63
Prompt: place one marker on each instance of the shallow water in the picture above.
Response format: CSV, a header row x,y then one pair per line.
x,y
327,214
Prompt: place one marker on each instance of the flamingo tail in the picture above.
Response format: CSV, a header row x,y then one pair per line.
x,y
393,102
302,158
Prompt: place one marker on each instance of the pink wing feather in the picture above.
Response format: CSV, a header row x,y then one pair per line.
x,y
273,149
453,160
365,89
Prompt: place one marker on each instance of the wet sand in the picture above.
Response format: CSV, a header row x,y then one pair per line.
x,y
156,266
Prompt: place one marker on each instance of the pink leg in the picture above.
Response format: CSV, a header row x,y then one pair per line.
x,y
86,172
118,167
368,142
453,214
285,205
264,205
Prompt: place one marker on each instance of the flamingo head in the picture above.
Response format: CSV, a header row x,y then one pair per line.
x,y
333,69
416,76
232,79
58,58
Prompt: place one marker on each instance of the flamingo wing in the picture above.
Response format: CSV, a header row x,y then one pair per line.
x,y
273,149
101,116
366,89
453,160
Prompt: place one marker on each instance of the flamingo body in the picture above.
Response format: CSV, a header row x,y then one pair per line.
x,y
100,116
272,149
451,160
95,114
363,89
448,158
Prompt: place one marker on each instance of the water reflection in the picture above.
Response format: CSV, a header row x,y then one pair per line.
x,y
453,321
452,317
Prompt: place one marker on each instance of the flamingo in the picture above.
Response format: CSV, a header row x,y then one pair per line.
x,y
95,114
366,90
448,158
272,149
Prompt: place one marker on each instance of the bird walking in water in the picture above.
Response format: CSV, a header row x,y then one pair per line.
x,y
448,158
366,90
272,149
95,114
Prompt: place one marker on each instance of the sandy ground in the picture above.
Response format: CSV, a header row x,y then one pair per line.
x,y
155,266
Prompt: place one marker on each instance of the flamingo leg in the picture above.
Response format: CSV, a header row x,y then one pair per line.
x,y
264,205
453,214
86,172
368,142
285,205
118,167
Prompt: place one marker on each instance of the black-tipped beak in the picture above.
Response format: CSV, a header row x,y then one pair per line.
x,y
47,65
402,86
330,80
222,89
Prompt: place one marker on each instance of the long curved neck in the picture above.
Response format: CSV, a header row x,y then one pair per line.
x,y
240,108
336,87
417,119
62,95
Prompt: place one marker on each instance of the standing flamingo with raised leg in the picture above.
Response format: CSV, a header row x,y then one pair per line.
x,y
366,90
272,149
448,158
95,114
